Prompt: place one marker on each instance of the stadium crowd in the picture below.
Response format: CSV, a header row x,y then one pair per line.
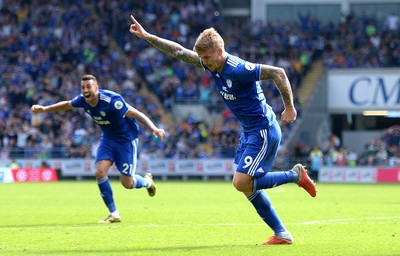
x,y
333,152
45,48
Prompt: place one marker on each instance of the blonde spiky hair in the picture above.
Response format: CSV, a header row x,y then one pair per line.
x,y
208,39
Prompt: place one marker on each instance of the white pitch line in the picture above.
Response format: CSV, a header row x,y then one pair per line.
x,y
153,225
348,220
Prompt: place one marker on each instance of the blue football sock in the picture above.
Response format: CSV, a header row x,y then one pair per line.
x,y
273,179
140,182
107,193
263,205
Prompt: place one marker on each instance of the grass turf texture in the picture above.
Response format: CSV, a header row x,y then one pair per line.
x,y
197,218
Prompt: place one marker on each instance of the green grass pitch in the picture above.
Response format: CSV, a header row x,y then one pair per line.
x,y
197,218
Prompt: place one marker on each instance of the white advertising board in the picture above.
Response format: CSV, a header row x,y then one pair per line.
x,y
6,175
362,174
357,90
165,167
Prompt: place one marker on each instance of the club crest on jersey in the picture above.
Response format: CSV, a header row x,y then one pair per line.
x,y
102,113
118,104
249,66
229,83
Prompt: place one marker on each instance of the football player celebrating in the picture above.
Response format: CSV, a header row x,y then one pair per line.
x,y
238,83
119,140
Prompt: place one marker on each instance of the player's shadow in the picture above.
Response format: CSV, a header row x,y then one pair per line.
x,y
184,250
33,226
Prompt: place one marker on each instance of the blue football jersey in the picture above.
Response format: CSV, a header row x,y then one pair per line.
x,y
109,114
238,84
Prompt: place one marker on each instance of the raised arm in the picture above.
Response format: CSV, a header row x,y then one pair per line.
x,y
169,47
60,106
278,75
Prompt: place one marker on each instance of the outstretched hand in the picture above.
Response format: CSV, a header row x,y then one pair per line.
x,y
137,29
159,133
37,109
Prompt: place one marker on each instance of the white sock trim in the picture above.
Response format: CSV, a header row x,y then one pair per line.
x,y
115,214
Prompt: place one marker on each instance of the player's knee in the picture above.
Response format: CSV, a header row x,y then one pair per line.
x,y
127,184
243,182
100,174
242,186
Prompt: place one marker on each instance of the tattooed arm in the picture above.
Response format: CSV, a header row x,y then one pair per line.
x,y
278,75
169,47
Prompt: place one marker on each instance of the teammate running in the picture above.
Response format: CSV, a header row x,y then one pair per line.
x,y
119,140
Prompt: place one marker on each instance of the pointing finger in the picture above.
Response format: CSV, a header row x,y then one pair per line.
x,y
133,19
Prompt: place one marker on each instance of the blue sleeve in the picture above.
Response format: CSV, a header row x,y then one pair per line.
x,y
119,105
248,72
78,101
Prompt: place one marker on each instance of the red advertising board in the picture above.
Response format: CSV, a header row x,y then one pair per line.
x,y
391,175
34,174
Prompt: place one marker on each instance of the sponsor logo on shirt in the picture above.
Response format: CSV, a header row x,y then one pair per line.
x,y
99,120
227,96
